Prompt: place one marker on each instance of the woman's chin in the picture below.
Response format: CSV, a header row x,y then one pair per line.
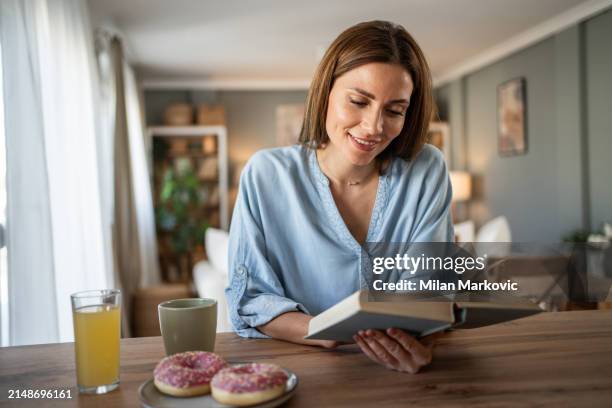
x,y
361,158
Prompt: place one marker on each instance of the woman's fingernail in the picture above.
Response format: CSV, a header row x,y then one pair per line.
x,y
392,331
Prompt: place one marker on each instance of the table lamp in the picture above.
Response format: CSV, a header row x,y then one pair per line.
x,y
462,185
462,191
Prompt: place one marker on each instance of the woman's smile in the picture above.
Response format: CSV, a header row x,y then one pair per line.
x,y
366,145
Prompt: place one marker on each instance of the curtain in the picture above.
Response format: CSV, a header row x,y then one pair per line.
x,y
55,228
4,341
133,223
80,209
143,196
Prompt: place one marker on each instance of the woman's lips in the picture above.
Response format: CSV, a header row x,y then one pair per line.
x,y
363,144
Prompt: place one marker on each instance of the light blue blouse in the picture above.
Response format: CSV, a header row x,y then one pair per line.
x,y
289,248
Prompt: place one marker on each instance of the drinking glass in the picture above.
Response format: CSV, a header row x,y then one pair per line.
x,y
96,315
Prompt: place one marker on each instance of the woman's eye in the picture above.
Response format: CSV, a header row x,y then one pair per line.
x,y
361,104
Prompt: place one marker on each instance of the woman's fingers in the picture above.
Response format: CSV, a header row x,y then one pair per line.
x,y
380,351
396,350
391,346
363,345
421,354
405,361
376,351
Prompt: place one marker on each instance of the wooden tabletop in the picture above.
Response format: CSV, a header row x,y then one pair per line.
x,y
553,359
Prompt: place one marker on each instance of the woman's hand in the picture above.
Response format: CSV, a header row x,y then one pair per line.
x,y
395,349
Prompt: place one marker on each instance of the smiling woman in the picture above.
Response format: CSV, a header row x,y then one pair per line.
x,y
362,173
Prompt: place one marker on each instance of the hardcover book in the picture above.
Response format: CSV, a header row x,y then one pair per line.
x,y
361,311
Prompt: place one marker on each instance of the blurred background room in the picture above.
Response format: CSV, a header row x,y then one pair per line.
x,y
124,125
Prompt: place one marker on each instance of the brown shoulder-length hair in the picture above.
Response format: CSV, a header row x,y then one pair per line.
x,y
372,41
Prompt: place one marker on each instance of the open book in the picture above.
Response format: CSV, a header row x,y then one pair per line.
x,y
418,317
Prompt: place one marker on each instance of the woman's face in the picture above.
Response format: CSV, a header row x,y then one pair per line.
x,y
366,110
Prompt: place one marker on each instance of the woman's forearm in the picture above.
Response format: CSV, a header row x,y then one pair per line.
x,y
292,326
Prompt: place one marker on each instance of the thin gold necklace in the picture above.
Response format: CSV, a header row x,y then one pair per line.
x,y
348,183
353,183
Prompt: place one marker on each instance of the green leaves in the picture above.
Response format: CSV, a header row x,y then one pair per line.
x,y
179,211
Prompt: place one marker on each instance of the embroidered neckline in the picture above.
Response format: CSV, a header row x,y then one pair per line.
x,y
380,203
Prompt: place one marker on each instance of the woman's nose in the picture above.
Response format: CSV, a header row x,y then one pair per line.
x,y
373,122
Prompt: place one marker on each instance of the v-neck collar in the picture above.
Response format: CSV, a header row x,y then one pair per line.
x,y
338,224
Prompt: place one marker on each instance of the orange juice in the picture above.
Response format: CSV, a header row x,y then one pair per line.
x,y
96,340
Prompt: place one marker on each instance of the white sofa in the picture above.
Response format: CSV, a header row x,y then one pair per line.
x,y
211,276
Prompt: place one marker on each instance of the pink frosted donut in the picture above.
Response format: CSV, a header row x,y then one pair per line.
x,y
248,384
187,374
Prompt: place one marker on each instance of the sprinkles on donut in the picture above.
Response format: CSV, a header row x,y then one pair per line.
x,y
187,374
248,384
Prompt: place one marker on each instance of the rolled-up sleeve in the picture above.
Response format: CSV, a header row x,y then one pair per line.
x,y
255,294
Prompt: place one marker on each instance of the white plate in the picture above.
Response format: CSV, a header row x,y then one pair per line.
x,y
150,397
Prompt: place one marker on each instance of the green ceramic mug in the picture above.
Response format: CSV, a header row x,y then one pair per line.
x,y
188,324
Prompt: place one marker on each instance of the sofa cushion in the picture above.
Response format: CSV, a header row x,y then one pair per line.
x,y
216,243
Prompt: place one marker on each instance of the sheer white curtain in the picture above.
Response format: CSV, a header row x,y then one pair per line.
x,y
4,340
55,225
126,179
145,219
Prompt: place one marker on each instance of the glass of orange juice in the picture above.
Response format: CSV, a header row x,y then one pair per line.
x,y
96,315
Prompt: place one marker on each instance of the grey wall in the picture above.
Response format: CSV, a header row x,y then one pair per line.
x,y
251,119
562,183
518,187
598,33
569,127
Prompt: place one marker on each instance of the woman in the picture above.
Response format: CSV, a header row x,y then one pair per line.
x,y
361,173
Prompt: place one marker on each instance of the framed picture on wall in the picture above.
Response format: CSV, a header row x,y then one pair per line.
x,y
439,136
512,118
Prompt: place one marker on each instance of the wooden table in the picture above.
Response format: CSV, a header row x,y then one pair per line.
x,y
553,359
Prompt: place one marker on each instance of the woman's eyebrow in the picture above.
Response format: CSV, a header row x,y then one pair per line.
x,y
371,96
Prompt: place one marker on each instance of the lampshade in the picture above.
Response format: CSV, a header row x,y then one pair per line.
x,y
462,185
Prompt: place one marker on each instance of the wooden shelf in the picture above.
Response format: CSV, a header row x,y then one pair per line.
x,y
214,213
